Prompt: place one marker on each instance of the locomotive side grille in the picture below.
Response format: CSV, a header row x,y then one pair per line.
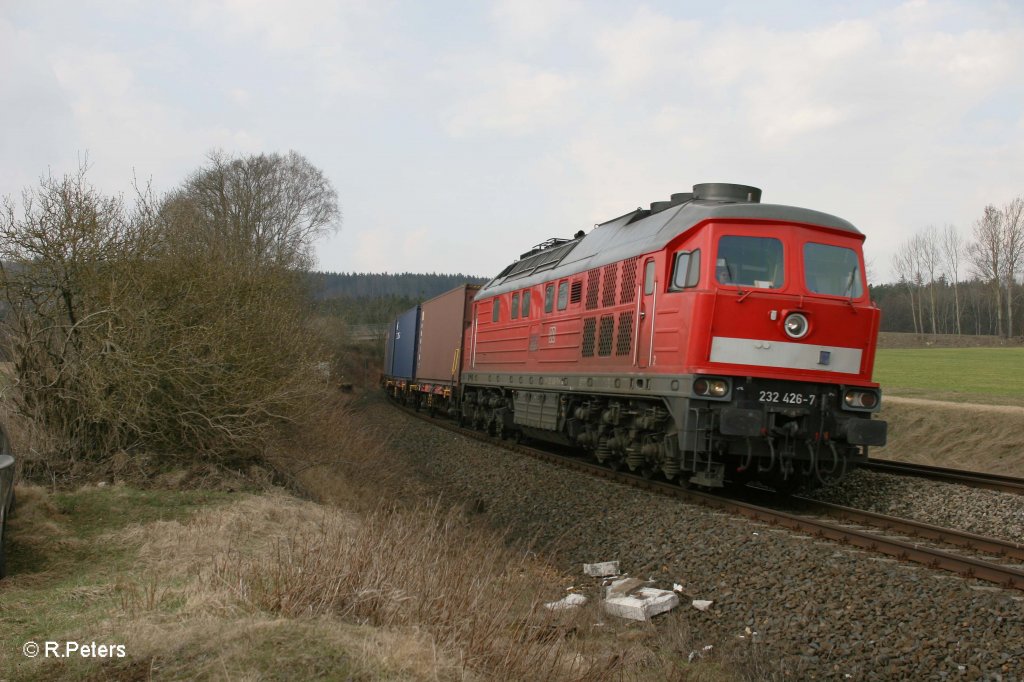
x,y
589,336
627,292
576,291
604,341
608,289
593,281
624,339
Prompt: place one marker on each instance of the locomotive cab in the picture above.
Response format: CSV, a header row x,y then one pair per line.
x,y
790,346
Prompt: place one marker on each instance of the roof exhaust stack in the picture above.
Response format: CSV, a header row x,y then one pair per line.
x,y
727,193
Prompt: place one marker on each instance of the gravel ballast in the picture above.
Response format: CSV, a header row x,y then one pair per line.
x,y
819,609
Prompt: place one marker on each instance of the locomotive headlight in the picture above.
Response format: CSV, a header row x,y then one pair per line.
x,y
796,326
711,388
860,400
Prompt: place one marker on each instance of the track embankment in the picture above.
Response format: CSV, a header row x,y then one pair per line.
x,y
956,435
820,609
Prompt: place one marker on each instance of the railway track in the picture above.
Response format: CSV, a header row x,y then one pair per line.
x,y
975,479
902,539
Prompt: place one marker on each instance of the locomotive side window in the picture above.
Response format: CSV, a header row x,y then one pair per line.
x,y
563,294
496,311
549,298
526,303
649,278
750,261
832,270
686,271
515,305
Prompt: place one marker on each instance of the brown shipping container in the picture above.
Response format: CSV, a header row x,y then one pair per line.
x,y
442,321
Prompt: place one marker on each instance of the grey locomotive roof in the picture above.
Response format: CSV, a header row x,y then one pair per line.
x,y
628,236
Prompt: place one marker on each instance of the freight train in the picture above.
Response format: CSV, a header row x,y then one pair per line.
x,y
709,339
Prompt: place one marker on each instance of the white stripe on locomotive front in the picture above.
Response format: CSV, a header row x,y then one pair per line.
x,y
765,353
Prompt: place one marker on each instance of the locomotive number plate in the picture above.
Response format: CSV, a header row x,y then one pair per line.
x,y
782,398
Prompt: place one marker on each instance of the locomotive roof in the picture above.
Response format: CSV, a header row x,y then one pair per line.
x,y
635,233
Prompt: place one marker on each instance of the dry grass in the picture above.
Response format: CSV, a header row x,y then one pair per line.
x,y
964,436
213,585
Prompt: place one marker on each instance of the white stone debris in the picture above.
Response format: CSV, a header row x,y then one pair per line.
x,y
623,586
602,569
701,604
699,654
642,603
570,601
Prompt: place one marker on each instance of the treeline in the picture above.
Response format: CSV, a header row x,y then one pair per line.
x,y
952,283
403,286
376,298
976,304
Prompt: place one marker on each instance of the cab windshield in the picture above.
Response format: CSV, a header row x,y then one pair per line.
x,y
832,270
750,262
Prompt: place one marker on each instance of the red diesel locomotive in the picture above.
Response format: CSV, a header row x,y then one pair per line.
x,y
709,339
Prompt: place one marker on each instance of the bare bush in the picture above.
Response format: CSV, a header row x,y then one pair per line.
x,y
164,328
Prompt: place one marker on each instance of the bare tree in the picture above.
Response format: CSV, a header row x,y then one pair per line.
x,y
927,246
952,248
268,208
1013,252
987,257
906,263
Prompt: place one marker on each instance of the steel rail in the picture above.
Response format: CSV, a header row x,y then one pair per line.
x,y
918,529
975,479
967,567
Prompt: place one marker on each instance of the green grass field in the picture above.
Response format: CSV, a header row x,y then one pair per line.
x,y
980,375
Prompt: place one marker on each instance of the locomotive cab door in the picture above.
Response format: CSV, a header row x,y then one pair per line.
x,y
643,350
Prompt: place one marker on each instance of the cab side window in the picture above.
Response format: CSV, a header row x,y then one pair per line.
x,y
686,271
515,305
496,312
526,303
563,294
549,298
649,278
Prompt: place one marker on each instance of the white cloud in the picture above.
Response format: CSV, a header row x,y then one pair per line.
x,y
650,51
115,115
328,38
240,96
533,20
513,99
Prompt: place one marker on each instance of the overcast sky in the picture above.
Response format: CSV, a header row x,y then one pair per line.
x,y
459,134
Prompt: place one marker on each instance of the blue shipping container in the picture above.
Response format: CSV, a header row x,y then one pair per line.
x,y
405,333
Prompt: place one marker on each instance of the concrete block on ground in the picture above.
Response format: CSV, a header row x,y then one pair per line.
x,y
601,570
623,586
642,604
